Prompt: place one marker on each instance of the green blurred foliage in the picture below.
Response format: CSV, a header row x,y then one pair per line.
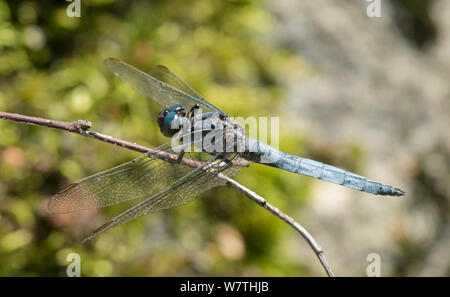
x,y
51,66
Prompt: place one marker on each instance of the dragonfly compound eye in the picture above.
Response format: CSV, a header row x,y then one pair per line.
x,y
170,122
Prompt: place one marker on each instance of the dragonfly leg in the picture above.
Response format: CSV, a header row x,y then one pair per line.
x,y
193,110
228,162
180,156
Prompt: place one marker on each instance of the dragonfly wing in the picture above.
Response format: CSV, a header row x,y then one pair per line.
x,y
124,182
162,92
136,179
180,192
162,73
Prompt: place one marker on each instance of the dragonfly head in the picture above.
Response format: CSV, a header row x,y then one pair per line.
x,y
170,120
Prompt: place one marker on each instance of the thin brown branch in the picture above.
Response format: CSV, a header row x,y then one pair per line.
x,y
82,127
231,183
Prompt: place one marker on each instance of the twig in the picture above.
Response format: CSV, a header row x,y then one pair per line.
x,y
82,127
275,211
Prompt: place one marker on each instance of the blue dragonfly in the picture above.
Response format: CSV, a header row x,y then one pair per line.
x,y
178,171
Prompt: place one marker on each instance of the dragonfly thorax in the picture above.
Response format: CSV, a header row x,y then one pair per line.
x,y
170,120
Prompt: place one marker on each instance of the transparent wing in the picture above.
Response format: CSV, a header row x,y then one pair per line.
x,y
162,73
137,179
180,192
165,88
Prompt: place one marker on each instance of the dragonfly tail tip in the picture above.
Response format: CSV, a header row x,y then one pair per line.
x,y
398,192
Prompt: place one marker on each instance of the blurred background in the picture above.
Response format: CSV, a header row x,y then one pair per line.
x,y
370,95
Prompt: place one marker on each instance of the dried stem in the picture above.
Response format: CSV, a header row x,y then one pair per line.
x,y
231,183
82,127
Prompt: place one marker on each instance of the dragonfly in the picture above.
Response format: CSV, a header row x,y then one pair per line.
x,y
180,170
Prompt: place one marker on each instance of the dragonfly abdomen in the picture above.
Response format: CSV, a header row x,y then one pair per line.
x,y
262,153
343,177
